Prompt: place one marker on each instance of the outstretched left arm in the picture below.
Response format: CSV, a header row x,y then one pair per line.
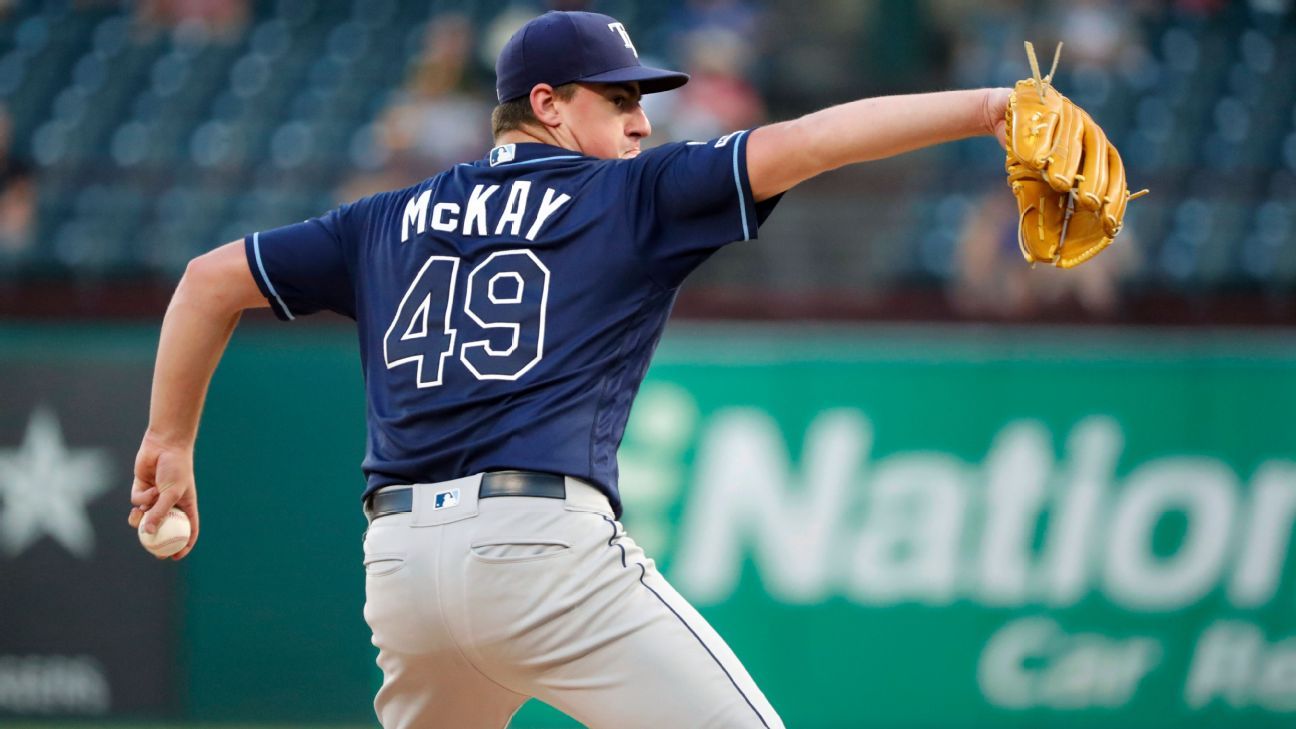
x,y
780,156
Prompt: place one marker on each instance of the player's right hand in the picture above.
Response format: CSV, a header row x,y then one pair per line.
x,y
164,478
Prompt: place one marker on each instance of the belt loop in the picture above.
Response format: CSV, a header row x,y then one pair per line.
x,y
582,496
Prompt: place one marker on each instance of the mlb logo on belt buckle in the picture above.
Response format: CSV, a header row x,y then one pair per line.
x,y
445,499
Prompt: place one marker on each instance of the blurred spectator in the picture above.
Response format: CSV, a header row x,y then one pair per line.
x,y
1200,8
718,97
502,27
994,281
496,32
216,19
17,195
1099,37
438,119
1097,32
1273,7
986,37
717,43
733,16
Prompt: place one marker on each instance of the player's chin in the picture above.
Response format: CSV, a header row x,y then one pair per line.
x,y
630,153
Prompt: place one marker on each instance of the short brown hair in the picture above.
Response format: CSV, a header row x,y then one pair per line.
x,y
513,114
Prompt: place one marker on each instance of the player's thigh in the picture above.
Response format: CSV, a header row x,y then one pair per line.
x,y
653,661
423,691
426,681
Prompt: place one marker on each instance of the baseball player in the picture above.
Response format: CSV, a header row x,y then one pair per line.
x,y
506,312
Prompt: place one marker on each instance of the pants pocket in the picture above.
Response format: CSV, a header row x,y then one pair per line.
x,y
518,549
379,564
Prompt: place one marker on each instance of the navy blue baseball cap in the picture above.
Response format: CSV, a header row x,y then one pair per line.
x,y
561,47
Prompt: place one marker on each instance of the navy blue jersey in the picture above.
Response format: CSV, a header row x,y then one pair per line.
x,y
507,309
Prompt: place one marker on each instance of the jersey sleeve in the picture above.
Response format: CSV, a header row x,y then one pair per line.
x,y
306,267
693,198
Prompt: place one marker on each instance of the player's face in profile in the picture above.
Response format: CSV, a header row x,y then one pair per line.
x,y
607,120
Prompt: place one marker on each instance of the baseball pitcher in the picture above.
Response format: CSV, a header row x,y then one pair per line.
x,y
506,311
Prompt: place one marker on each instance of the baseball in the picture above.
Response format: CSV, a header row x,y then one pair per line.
x,y
171,537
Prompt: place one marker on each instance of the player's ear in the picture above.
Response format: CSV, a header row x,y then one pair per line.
x,y
543,105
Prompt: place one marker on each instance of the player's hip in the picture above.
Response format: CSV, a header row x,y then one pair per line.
x,y
490,570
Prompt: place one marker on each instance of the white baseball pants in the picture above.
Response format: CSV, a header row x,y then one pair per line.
x,y
478,606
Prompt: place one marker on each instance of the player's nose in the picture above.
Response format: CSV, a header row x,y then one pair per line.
x,y
639,125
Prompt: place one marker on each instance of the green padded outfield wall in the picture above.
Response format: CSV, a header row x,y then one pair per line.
x,y
979,528
893,528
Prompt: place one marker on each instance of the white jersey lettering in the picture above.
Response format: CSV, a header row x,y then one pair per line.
x,y
438,217
415,214
515,209
474,222
548,206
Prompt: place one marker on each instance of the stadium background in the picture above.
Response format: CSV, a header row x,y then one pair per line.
x,y
914,482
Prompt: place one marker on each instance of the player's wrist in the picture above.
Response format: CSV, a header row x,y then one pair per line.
x,y
168,440
994,104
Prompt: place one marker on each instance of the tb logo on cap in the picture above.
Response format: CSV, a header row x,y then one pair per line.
x,y
624,36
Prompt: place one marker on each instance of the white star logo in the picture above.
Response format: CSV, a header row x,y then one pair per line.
x,y
46,487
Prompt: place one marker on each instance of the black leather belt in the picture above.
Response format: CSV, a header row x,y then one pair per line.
x,y
494,483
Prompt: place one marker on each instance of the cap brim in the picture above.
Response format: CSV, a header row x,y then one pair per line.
x,y
651,80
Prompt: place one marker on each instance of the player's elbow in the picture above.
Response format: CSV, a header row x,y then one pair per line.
x,y
220,280
201,284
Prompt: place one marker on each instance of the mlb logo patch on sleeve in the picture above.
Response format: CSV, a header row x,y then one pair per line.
x,y
445,499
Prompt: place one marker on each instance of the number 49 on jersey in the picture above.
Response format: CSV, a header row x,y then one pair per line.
x,y
505,295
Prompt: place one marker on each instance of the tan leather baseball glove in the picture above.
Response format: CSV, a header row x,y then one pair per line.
x,y
1069,181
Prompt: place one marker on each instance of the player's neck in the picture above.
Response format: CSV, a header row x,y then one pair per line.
x,y
530,136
